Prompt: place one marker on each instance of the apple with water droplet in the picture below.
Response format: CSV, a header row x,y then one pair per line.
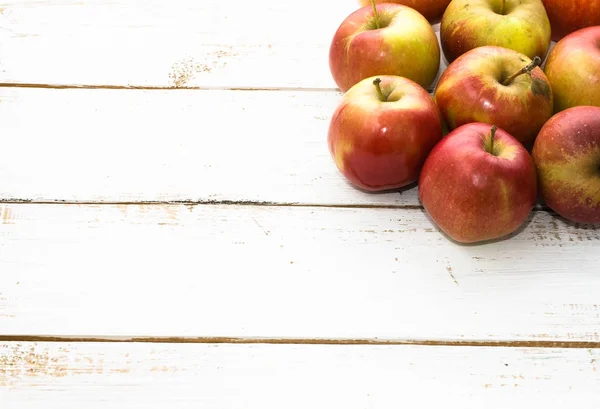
x,y
567,156
498,86
384,39
573,69
478,184
381,132
521,25
567,16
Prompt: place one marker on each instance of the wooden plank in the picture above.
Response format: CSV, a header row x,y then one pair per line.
x,y
289,272
76,375
177,43
181,145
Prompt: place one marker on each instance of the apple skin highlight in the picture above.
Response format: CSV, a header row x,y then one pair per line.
x,y
523,27
574,64
471,90
472,194
567,16
567,156
405,45
382,145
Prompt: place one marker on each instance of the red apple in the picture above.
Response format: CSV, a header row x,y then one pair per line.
x,y
573,69
567,157
567,16
478,183
432,10
498,86
382,131
397,40
521,25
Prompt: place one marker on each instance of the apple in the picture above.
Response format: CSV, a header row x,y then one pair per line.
x,y
498,86
381,132
567,16
567,156
521,25
478,183
385,39
432,10
573,69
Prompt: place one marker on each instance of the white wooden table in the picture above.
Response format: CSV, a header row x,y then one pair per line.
x,y
174,233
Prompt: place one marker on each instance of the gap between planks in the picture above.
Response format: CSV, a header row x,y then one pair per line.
x,y
303,341
192,203
168,87
175,88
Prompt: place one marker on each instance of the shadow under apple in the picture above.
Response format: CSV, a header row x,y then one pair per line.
x,y
509,236
400,190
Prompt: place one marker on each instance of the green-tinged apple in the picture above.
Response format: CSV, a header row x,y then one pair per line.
x,y
573,69
384,39
381,132
478,183
521,25
497,86
567,156
567,16
432,10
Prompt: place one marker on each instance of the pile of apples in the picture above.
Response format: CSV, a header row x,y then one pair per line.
x,y
513,119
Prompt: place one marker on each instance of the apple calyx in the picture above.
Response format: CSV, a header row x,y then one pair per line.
x,y
376,14
380,93
489,143
525,70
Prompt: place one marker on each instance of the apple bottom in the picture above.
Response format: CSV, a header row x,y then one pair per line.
x,y
386,151
473,195
470,215
374,172
584,213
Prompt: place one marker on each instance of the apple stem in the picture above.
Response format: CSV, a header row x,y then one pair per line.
x,y
502,3
527,69
376,14
376,82
493,134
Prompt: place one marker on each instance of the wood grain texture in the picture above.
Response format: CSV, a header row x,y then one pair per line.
x,y
180,145
76,375
289,272
179,43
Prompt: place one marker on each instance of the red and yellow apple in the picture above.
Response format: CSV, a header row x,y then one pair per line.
x,y
521,25
395,40
567,16
381,132
573,69
567,157
432,10
497,86
478,183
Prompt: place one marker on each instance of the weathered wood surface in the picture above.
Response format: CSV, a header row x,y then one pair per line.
x,y
171,44
281,249
176,43
289,272
182,145
76,375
